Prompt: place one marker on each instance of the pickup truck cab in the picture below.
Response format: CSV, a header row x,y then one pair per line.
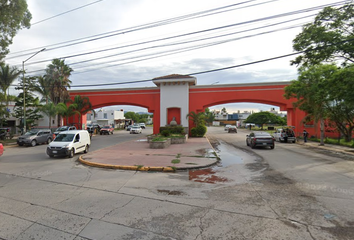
x,y
285,133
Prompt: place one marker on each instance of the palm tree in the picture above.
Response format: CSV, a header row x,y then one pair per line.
x,y
83,106
57,75
197,118
43,87
51,110
67,111
7,77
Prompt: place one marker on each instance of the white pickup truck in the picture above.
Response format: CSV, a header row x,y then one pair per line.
x,y
289,133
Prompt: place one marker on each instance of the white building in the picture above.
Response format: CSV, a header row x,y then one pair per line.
x,y
220,115
106,117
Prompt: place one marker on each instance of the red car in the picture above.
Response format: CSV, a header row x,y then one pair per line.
x,y
1,149
106,130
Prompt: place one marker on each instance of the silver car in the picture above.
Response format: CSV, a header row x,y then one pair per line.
x,y
135,129
34,137
260,139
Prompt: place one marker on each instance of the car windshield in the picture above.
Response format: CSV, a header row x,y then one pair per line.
x,y
262,134
31,133
62,128
106,127
135,127
64,138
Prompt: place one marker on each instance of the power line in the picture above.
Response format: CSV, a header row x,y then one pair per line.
x,y
60,14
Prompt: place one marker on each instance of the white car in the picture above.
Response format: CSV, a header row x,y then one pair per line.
x,y
142,125
227,127
135,129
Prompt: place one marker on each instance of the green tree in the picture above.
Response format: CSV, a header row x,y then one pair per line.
x,y
43,88
133,116
33,105
197,118
7,77
262,118
57,76
67,110
330,37
311,90
341,100
209,116
83,106
14,15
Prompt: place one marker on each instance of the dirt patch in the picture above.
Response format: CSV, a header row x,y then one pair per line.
x,y
169,192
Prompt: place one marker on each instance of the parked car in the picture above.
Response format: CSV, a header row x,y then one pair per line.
x,y
91,128
227,127
232,128
107,130
142,125
1,149
260,139
285,134
135,129
64,128
67,143
34,137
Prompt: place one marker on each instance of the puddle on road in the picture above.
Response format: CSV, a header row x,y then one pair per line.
x,y
228,156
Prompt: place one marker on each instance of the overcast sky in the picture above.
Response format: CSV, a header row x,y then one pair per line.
x,y
112,41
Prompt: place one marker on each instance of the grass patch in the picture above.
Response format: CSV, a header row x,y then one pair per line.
x,y
139,166
175,161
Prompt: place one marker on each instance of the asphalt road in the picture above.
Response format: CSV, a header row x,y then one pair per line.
x,y
287,193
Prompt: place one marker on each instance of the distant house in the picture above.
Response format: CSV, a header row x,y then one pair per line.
x,y
107,117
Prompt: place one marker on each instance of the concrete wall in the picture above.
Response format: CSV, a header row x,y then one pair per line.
x,y
174,96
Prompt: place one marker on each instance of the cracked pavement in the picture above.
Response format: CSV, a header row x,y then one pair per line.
x,y
291,192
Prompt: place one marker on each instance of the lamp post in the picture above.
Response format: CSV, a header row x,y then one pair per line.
x,y
24,88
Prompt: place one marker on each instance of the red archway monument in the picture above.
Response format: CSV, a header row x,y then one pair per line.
x,y
177,95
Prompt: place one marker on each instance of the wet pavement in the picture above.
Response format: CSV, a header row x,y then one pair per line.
x,y
137,155
194,154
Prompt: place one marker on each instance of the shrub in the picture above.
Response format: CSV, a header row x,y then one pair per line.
x,y
198,131
166,133
173,129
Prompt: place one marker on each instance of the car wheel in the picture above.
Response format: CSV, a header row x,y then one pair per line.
x,y
253,145
100,133
51,156
247,143
20,144
49,140
272,147
33,143
112,132
86,149
71,153
279,140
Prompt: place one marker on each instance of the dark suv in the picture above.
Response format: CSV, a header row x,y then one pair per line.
x,y
34,137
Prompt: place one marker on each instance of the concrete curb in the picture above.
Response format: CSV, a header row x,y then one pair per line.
x,y
152,169
124,167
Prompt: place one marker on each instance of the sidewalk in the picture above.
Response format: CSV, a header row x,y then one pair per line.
x,y
329,147
137,155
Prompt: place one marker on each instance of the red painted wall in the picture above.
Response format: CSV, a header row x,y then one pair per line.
x,y
144,97
200,97
174,112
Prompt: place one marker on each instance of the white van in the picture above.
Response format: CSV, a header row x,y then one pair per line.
x,y
68,143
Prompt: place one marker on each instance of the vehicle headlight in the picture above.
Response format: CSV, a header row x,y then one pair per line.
x,y
66,146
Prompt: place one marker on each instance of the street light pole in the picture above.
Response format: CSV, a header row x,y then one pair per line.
x,y
24,88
